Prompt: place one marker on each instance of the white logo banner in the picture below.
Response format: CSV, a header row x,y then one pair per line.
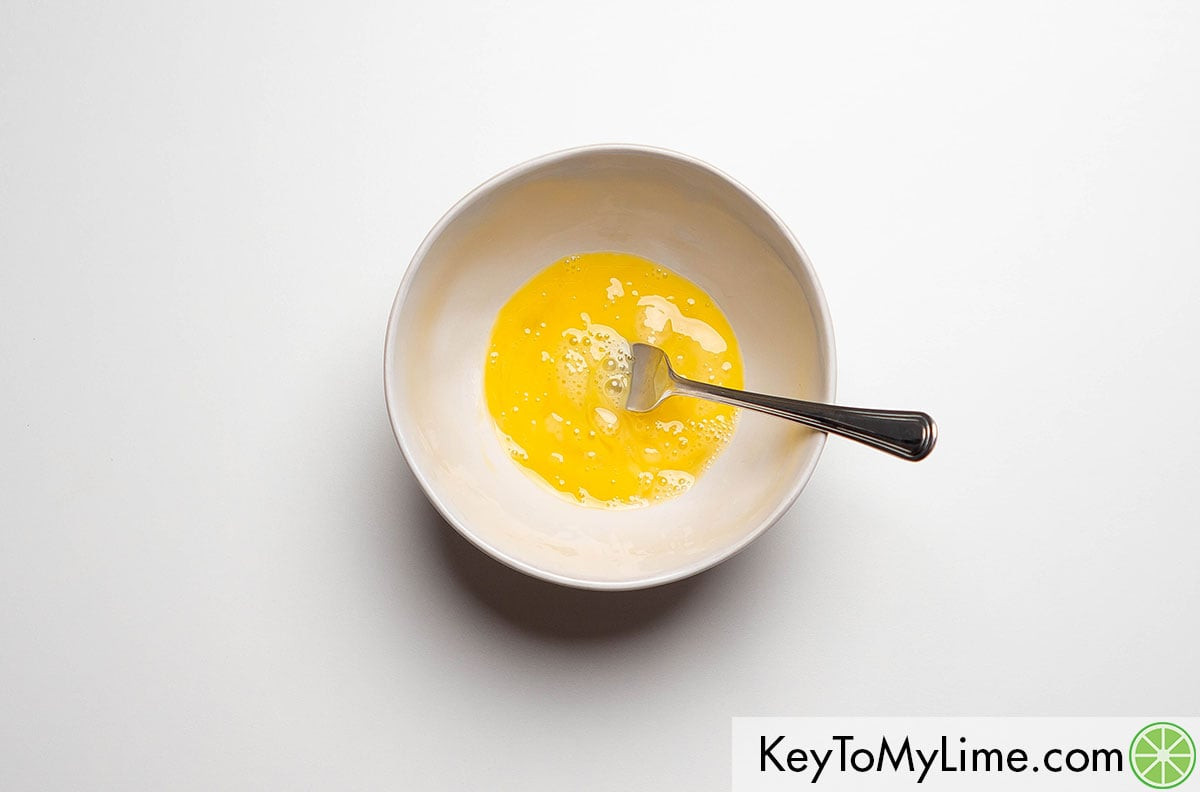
x,y
965,753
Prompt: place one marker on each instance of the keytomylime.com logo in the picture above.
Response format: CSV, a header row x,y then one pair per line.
x,y
1162,755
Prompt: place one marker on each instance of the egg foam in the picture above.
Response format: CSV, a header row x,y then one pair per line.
x,y
557,373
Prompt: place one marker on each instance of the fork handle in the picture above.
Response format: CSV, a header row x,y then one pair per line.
x,y
903,433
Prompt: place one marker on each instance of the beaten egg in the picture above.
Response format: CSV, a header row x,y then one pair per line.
x,y
557,372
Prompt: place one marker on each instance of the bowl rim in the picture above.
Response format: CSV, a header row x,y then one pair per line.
x,y
817,304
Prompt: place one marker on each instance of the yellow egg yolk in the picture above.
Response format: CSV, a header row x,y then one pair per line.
x,y
557,372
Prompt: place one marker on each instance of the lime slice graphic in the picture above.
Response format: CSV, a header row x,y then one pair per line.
x,y
1162,755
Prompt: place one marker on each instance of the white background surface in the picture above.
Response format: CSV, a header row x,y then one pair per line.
x,y
216,571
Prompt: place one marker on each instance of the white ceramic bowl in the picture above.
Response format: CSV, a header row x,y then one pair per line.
x,y
667,207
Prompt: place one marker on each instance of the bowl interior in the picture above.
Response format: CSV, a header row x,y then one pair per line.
x,y
665,207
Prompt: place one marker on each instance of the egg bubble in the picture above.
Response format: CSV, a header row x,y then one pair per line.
x,y
674,427
672,483
614,387
573,374
514,450
606,420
